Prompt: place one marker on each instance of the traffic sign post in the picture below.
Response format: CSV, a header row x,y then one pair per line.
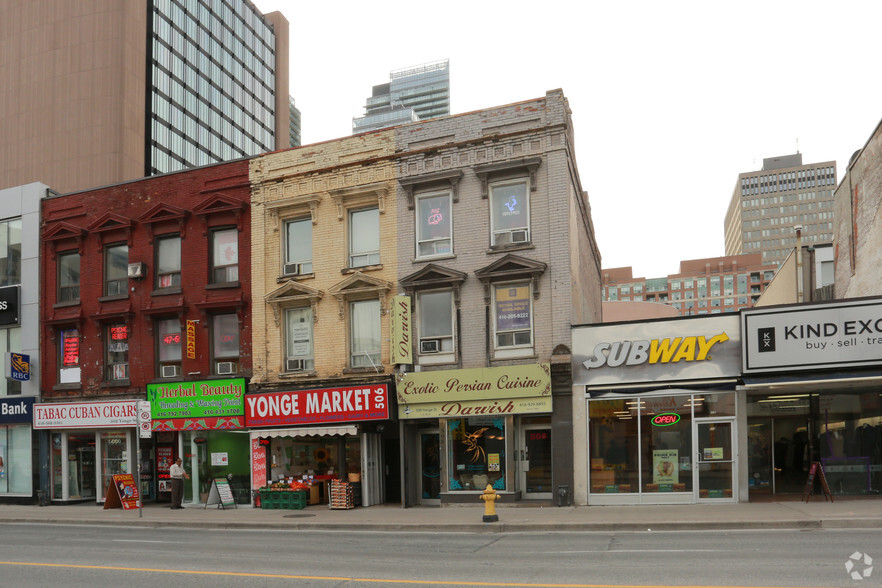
x,y
145,426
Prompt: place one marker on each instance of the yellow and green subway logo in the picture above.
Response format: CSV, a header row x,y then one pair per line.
x,y
669,350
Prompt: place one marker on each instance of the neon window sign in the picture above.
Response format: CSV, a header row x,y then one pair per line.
x,y
665,419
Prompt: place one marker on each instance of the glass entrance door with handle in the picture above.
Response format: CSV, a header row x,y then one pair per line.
x,y
715,460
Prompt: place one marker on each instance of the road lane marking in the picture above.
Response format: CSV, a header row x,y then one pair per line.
x,y
636,551
386,581
144,541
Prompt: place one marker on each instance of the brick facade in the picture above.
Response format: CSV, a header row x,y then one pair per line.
x,y
190,204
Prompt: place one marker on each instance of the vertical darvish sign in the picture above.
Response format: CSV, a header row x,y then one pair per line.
x,y
402,348
191,339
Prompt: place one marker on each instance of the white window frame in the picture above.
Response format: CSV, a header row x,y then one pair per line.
x,y
216,356
72,373
420,198
494,232
366,357
303,263
177,272
117,371
515,349
120,282
372,256
173,362
66,290
445,353
307,360
230,268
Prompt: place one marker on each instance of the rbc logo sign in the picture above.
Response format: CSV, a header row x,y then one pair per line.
x,y
18,367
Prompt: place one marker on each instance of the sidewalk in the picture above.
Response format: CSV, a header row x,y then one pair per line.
x,y
845,513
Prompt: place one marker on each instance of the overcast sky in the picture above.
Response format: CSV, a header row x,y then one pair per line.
x,y
671,99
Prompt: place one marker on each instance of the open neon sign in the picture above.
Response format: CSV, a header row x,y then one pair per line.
x,y
665,419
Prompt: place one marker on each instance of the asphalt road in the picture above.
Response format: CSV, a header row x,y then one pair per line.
x,y
69,555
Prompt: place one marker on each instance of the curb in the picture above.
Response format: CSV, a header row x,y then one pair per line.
x,y
500,527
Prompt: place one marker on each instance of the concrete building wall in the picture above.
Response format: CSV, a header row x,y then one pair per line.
x,y
303,182
72,88
24,202
858,241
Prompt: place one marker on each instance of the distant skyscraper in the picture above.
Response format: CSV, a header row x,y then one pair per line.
x,y
767,206
294,126
94,93
413,93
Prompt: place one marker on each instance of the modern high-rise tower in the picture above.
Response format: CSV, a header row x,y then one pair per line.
x,y
769,206
413,93
94,93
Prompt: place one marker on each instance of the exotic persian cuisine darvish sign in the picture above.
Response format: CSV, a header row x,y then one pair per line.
x,y
519,389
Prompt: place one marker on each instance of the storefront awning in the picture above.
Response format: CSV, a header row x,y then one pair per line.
x,y
816,382
305,432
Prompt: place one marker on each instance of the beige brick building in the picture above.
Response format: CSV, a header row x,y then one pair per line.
x,y
324,266
477,222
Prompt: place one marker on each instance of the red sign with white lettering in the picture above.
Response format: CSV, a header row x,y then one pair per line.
x,y
326,405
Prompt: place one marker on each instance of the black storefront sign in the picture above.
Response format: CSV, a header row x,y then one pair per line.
x,y
9,297
16,410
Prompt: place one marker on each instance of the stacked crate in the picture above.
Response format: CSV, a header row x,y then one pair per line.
x,y
341,495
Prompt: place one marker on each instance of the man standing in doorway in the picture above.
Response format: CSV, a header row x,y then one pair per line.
x,y
177,474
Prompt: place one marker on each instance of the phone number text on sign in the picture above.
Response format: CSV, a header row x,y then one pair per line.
x,y
326,405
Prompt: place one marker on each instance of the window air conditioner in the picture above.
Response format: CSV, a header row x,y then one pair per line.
x,y
292,269
171,371
294,365
519,236
136,270
226,367
430,346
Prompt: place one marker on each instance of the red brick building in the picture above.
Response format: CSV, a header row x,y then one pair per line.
x,y
146,295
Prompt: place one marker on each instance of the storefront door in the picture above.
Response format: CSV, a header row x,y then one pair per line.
x,y
430,467
536,465
715,460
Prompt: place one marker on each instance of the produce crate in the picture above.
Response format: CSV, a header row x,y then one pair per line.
x,y
341,495
270,500
283,499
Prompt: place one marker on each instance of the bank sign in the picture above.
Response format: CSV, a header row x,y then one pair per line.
x,y
9,305
16,409
202,405
696,348
844,334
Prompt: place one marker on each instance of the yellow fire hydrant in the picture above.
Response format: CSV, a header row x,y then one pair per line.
x,y
490,497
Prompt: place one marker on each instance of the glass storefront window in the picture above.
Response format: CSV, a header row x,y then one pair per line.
x,y
114,456
80,466
477,453
667,443
216,454
788,432
646,444
614,466
15,459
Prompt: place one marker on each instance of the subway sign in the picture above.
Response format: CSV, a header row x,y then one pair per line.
x,y
701,347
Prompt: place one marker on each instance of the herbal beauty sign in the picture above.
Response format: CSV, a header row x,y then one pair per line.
x,y
206,404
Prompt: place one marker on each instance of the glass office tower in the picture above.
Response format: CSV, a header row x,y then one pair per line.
x,y
212,90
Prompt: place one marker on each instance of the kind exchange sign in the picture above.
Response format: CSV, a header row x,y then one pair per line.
x,y
326,405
